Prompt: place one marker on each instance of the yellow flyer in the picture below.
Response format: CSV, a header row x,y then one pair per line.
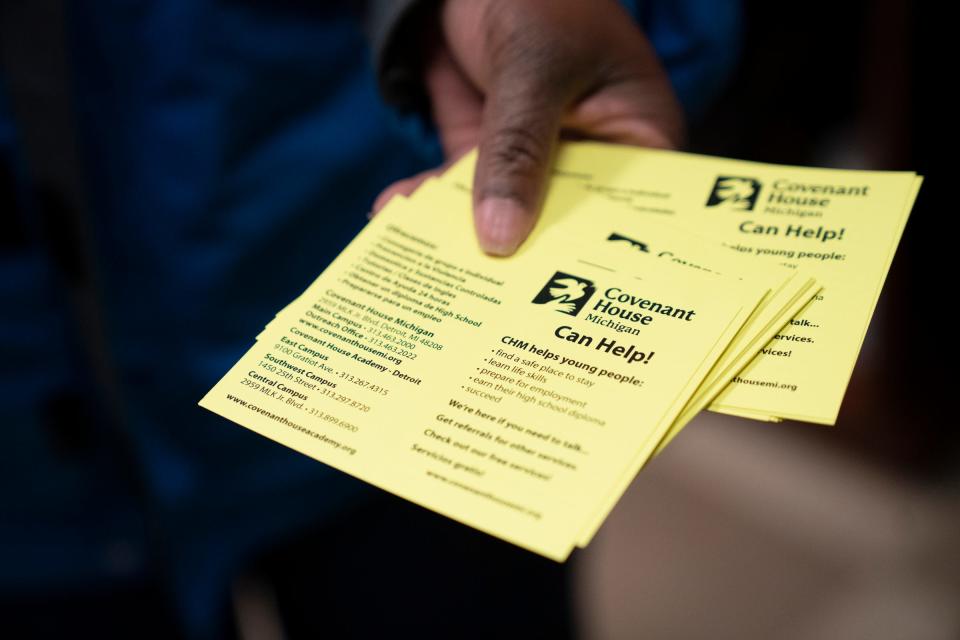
x,y
476,386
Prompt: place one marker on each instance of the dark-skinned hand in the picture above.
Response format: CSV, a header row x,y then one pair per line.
x,y
508,76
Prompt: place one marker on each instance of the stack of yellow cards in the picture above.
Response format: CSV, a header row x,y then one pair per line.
x,y
522,395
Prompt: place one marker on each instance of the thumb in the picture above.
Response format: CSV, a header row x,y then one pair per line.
x,y
517,138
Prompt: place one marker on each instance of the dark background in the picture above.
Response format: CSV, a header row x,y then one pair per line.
x,y
834,84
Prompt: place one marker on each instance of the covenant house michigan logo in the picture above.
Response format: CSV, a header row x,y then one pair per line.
x,y
734,193
565,293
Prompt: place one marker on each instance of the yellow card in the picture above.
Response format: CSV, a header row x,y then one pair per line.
x,y
475,386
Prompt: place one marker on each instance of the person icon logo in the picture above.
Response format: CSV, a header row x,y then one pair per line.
x,y
734,193
565,293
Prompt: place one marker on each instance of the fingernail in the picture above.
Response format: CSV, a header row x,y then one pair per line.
x,y
501,225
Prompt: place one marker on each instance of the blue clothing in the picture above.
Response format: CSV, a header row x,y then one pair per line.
x,y
229,151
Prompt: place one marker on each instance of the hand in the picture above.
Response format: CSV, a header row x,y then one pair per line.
x,y
508,75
